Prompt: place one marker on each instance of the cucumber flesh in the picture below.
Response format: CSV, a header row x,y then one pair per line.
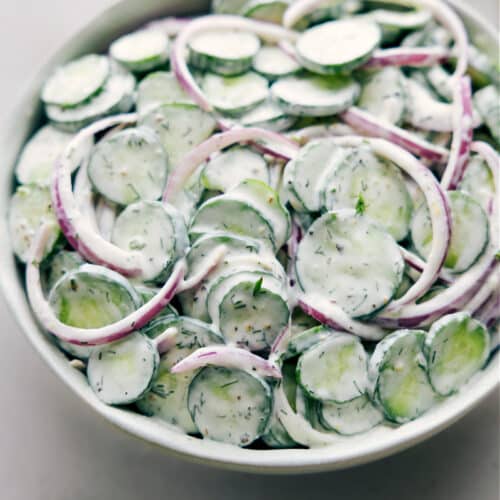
x,y
338,46
303,340
334,369
347,259
141,51
240,401
398,376
159,88
235,95
272,62
129,166
30,207
233,166
268,115
61,263
315,95
487,102
76,81
270,11
457,346
478,182
121,372
92,296
469,232
373,187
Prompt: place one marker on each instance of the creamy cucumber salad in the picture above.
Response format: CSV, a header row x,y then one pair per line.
x,y
275,225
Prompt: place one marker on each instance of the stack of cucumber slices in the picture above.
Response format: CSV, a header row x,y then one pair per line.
x,y
275,225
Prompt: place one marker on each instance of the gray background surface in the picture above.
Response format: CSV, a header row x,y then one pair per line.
x,y
52,447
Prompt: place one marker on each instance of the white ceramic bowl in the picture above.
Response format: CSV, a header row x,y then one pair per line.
x,y
361,449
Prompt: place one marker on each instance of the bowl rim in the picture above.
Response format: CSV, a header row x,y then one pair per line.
x,y
357,450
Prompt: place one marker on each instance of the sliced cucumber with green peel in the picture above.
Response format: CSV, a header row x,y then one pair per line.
x,y
159,88
229,405
303,340
270,11
29,208
81,352
383,95
338,46
234,217
233,166
227,6
117,96
259,195
129,166
121,372
315,95
487,102
273,62
93,296
268,115
147,293
61,263
235,95
394,23
250,309
180,127
478,182
353,417
398,376
141,51
76,81
335,369
36,163
347,259
373,187
157,231
306,175
226,52
457,346
469,232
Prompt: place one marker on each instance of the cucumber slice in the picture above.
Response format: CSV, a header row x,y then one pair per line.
x,y
38,156
147,293
338,46
141,51
273,62
457,347
440,80
383,95
263,198
394,23
352,417
233,166
82,352
93,296
301,322
129,166
76,81
159,88
478,182
314,95
250,309
234,217
469,232
487,102
30,207
226,52
397,372
227,6
270,11
303,340
167,398
154,229
121,372
334,369
373,187
117,96
61,263
268,115
234,95
180,127
349,260
230,406
306,174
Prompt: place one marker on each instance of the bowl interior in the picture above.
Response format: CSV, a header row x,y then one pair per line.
x,y
379,442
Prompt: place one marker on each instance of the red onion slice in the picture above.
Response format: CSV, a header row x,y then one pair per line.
x,y
415,57
93,336
199,154
415,262
228,357
437,202
462,134
372,126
